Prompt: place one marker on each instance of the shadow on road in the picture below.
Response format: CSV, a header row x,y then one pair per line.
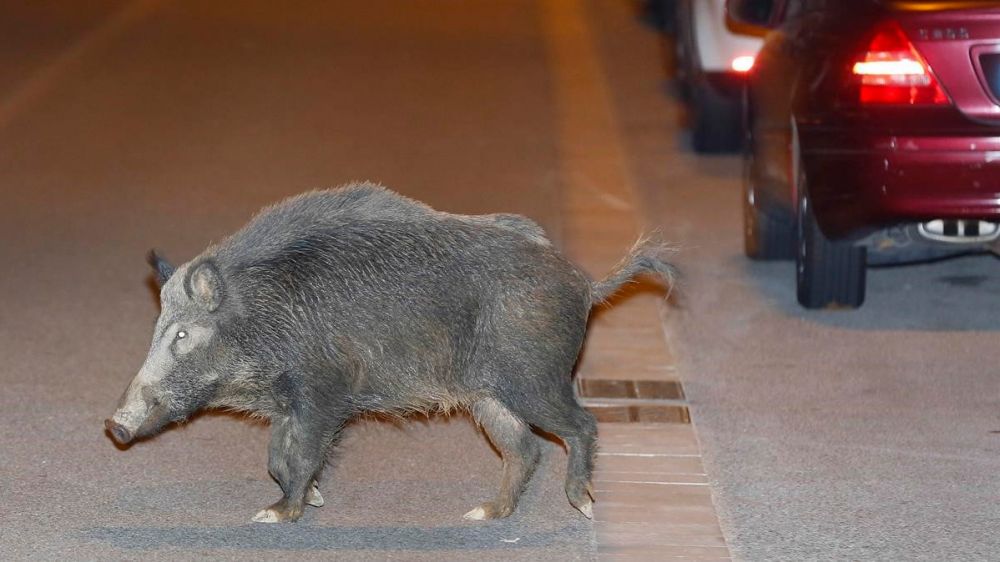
x,y
478,536
960,294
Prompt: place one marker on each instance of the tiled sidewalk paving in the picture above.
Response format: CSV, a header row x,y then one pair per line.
x,y
653,500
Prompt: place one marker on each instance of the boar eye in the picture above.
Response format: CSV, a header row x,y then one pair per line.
x,y
181,334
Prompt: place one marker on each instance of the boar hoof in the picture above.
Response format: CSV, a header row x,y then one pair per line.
x,y
266,516
314,498
488,511
587,509
275,514
477,514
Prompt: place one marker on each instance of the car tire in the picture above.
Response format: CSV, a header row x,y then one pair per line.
x,y
767,235
718,121
664,15
829,274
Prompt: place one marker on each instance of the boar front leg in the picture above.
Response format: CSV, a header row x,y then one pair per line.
x,y
295,456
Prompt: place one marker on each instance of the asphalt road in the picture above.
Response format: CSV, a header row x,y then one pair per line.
x,y
127,125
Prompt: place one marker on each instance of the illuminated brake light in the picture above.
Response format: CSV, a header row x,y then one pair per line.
x,y
742,63
891,71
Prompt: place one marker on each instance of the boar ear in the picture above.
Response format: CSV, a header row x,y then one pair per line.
x,y
204,285
162,268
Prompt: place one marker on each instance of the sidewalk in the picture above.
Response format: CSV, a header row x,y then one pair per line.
x,y
653,500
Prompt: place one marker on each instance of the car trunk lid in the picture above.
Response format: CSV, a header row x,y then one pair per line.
x,y
962,48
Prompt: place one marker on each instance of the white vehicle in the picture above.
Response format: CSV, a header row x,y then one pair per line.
x,y
712,58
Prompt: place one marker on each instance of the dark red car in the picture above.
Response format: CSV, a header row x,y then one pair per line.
x,y
873,136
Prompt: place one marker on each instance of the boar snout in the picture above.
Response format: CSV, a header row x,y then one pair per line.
x,y
141,413
118,431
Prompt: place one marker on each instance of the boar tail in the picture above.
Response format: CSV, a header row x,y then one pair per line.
x,y
647,257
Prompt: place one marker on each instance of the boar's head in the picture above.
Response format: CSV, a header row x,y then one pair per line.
x,y
179,375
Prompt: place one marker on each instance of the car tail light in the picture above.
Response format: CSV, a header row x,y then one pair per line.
x,y
891,71
742,63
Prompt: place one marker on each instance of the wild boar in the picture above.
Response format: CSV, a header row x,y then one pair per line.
x,y
357,300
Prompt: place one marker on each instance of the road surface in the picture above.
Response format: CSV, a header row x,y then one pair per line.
x,y
131,124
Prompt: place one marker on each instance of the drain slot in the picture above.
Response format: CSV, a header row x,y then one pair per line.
x,y
625,401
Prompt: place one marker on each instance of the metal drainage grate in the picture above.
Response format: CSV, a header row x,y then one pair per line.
x,y
623,401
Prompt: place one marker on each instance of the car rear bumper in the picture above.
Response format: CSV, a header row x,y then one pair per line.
x,y
859,185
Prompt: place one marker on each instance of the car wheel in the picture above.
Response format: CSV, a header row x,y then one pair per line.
x,y
718,121
664,14
765,235
829,274
768,232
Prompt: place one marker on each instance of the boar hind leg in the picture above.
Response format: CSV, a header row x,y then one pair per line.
x,y
558,412
519,450
295,457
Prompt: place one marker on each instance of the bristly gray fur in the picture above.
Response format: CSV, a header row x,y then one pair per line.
x,y
339,303
648,256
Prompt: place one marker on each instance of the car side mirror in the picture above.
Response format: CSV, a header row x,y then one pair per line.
x,y
759,14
